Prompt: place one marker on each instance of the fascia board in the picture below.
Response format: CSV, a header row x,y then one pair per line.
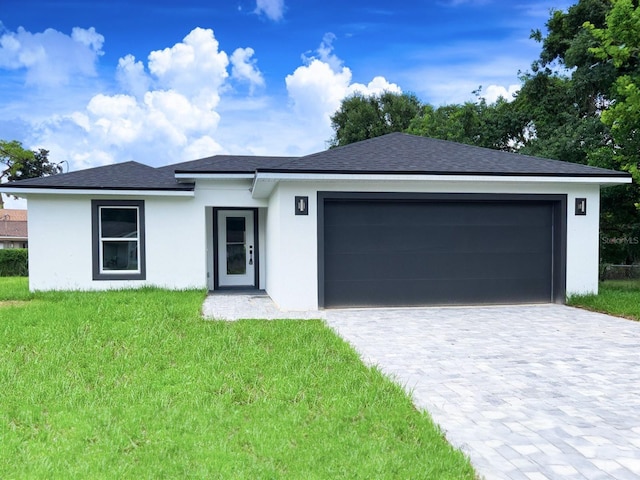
x,y
21,192
213,176
446,177
265,182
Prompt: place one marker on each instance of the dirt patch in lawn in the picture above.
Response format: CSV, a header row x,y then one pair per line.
x,y
13,303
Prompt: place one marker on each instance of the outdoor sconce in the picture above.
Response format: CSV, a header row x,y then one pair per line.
x,y
581,206
302,205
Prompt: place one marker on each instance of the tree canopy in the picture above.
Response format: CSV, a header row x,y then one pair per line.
x,y
361,117
20,163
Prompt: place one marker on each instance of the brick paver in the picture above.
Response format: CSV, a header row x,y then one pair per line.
x,y
528,392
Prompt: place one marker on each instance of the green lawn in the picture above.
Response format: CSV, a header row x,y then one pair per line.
x,y
134,384
14,289
617,297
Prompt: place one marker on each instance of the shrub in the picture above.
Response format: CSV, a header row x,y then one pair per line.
x,y
14,262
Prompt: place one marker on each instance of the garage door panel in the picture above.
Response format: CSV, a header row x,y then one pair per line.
x,y
398,253
433,292
406,213
459,238
409,266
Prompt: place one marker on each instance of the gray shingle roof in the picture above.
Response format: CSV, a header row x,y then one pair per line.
x,y
400,153
120,176
229,164
396,153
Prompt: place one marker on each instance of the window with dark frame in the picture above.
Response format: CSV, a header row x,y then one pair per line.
x,y
118,240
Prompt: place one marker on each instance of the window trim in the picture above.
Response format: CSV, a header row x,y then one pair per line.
x,y
98,272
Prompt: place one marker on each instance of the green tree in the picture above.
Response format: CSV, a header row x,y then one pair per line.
x,y
20,163
551,122
567,46
361,117
562,98
571,101
475,123
618,46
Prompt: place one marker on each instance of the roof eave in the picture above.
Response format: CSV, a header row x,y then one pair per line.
x,y
212,175
323,172
24,191
265,182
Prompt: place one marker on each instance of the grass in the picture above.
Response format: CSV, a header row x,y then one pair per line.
x,y
617,297
134,384
14,289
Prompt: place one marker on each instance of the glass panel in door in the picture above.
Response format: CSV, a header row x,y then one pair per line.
x,y
236,246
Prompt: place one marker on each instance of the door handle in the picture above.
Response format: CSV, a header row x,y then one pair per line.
x,y
250,254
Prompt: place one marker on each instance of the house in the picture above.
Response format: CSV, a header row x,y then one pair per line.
x,y
13,228
391,221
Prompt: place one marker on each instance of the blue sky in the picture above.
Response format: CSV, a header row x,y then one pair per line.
x,y
97,82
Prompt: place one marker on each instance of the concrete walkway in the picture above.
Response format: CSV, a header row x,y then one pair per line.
x,y
237,305
528,392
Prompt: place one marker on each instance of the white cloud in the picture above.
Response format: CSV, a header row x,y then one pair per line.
x,y
493,92
162,116
132,76
182,104
317,88
325,52
111,120
273,9
89,37
51,58
204,146
376,86
171,114
244,68
191,66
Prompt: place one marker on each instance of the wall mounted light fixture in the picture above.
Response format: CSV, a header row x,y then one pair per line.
x,y
302,205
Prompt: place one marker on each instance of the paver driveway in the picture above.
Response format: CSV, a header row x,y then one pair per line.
x,y
528,392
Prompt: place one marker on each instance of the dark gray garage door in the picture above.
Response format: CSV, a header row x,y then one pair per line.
x,y
435,252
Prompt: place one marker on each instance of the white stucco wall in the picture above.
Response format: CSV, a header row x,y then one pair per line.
x,y
179,238
60,250
179,232
583,241
293,255
59,243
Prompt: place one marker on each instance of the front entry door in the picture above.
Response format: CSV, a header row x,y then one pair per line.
x,y
236,252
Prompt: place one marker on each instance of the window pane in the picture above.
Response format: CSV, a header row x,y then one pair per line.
x,y
236,259
235,229
119,222
120,255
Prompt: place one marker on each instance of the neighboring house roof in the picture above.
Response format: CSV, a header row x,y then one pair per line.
x,y
395,154
13,224
13,214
